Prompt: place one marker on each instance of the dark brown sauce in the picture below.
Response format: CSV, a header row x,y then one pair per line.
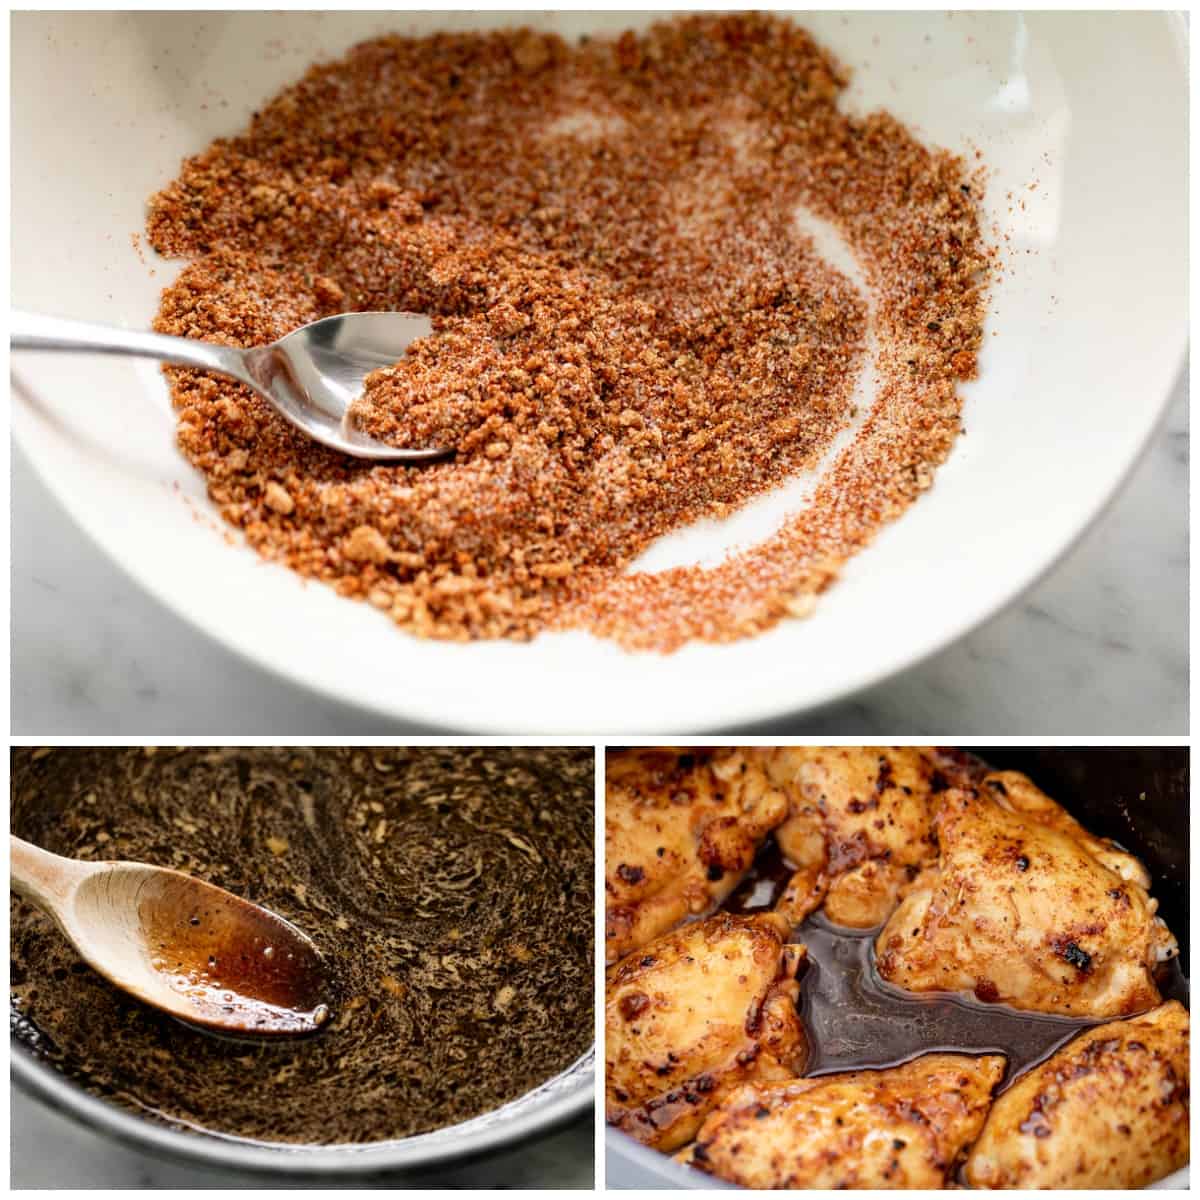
x,y
855,1020
238,966
449,892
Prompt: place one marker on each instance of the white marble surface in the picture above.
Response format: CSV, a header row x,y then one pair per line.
x,y
51,1151
1098,647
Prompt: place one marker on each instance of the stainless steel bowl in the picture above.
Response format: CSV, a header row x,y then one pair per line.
x,y
1138,796
538,1112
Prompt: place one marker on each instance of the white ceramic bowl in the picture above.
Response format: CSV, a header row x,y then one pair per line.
x,y
1082,119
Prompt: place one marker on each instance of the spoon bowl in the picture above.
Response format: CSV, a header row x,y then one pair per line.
x,y
179,944
311,376
315,373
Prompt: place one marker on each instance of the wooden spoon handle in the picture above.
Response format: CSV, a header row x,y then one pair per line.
x,y
44,878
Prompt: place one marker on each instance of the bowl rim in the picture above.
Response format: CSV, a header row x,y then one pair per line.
x,y
751,710
567,1096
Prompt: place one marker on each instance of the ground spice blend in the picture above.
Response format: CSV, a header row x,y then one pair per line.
x,y
632,331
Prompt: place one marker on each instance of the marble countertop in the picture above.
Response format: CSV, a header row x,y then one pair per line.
x,y
1100,646
53,1151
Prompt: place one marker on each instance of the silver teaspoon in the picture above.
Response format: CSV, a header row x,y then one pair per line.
x,y
310,377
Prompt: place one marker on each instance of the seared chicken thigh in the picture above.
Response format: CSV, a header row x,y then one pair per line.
x,y
695,1013
1109,1110
1024,906
1018,793
858,828
902,1127
681,829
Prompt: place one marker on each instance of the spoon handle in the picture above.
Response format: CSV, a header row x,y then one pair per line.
x,y
31,331
44,878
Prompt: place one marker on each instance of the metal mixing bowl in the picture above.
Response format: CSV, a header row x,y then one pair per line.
x,y
536,1113
1137,796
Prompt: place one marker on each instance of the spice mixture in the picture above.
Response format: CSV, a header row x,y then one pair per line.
x,y
632,331
449,890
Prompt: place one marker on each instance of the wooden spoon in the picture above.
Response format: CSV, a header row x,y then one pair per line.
x,y
187,947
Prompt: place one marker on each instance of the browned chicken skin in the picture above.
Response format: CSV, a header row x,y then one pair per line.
x,y
1019,793
681,829
986,885
1024,906
695,1013
858,827
1109,1110
903,1127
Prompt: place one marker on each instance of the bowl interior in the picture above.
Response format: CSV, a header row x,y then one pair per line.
x,y
1087,195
